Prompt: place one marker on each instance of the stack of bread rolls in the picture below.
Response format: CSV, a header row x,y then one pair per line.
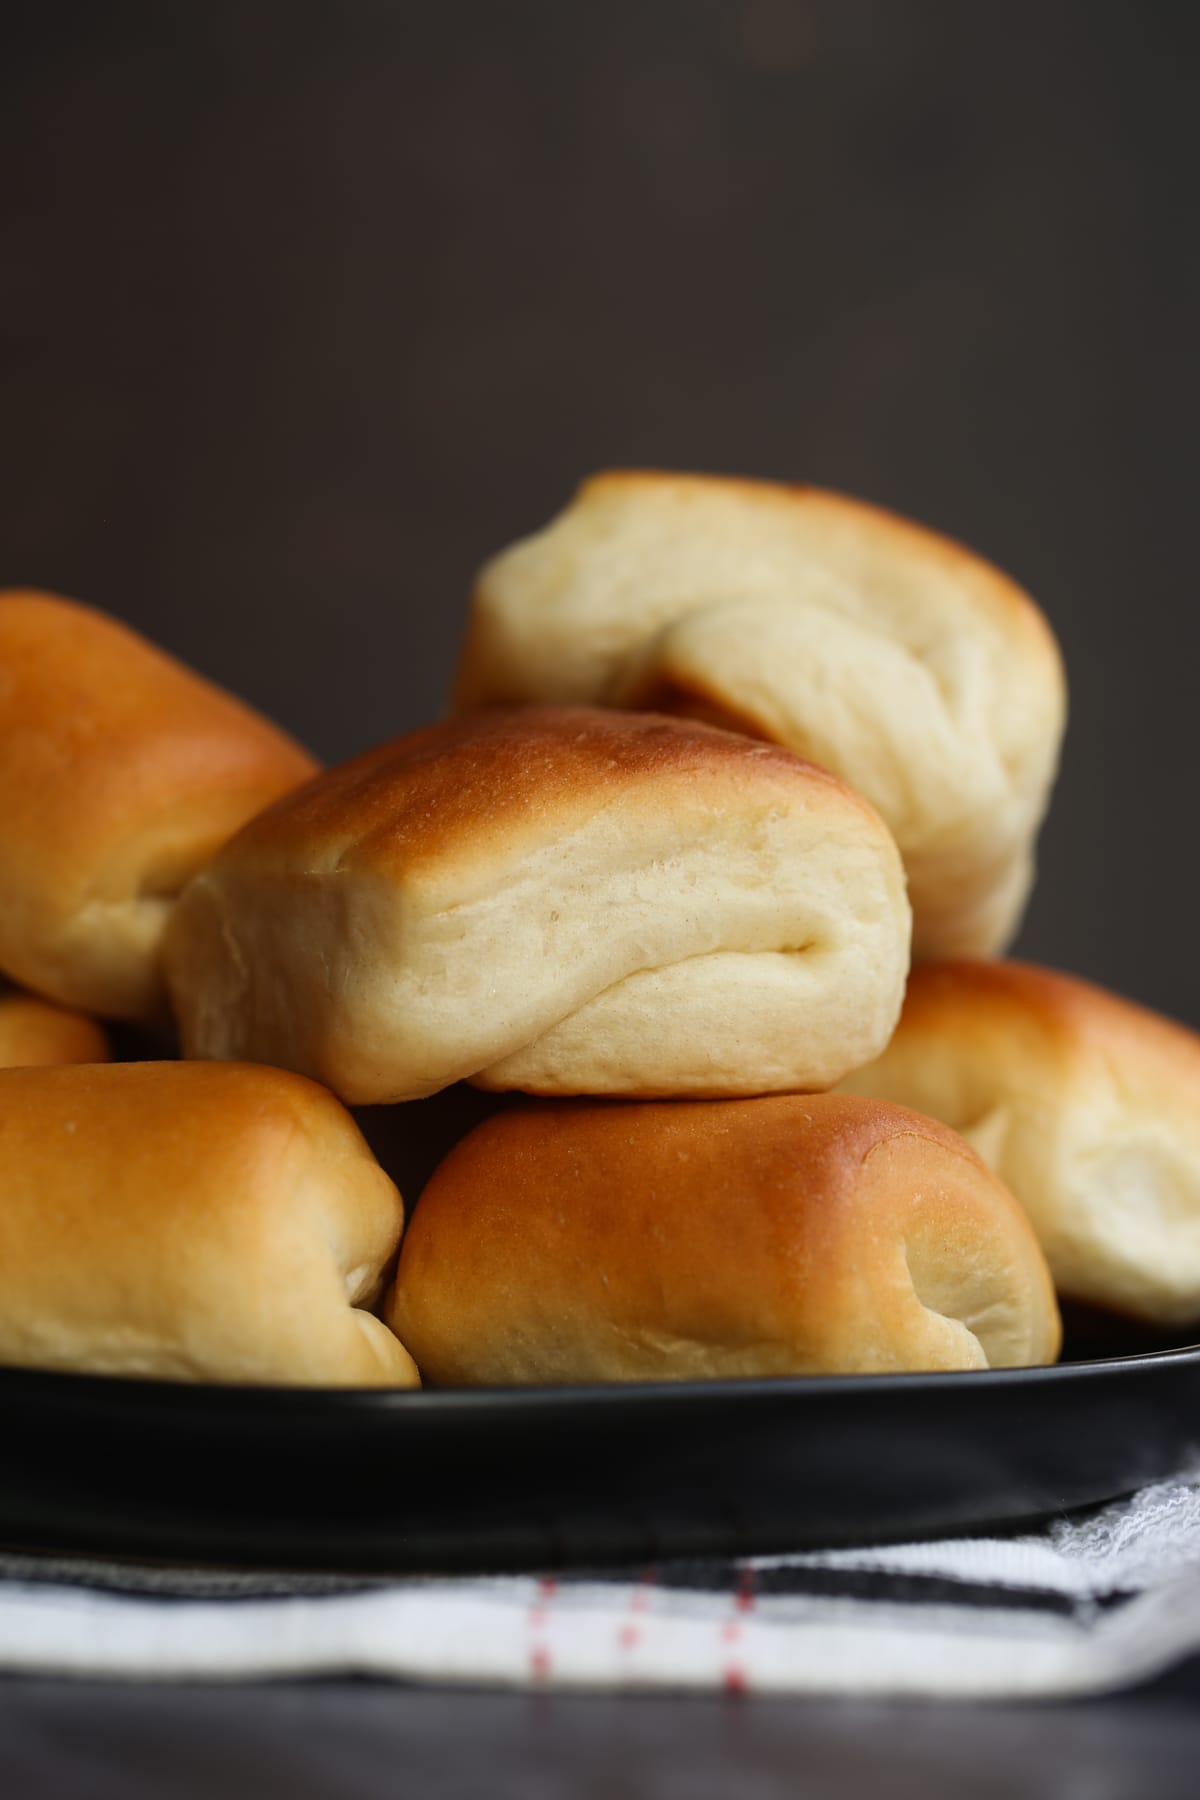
x,y
724,757
156,1218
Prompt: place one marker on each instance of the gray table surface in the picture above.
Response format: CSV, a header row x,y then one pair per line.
x,y
366,1740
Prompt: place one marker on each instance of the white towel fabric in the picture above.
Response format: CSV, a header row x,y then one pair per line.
x,y
1087,1605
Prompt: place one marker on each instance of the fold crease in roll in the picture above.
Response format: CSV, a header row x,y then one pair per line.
x,y
557,899
916,671
1085,1104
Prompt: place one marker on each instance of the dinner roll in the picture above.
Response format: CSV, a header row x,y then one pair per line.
x,y
790,1236
120,773
558,900
913,669
32,1033
192,1221
1086,1105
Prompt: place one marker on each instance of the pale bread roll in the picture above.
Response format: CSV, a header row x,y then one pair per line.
x,y
120,773
33,1033
790,1236
192,1221
910,667
559,900
1086,1105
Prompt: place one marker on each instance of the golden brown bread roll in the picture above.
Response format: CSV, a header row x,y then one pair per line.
x,y
797,1235
194,1221
120,773
911,668
555,899
33,1033
1086,1105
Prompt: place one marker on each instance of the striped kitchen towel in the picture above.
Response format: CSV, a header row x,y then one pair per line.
x,y
1087,1605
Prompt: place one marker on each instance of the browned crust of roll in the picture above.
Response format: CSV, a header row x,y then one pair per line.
x,y
457,790
121,772
33,1033
1069,1014
587,1241
215,1222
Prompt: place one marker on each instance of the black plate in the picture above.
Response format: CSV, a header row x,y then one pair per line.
x,y
539,1478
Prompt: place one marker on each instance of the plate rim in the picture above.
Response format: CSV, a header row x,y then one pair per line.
x,y
188,1396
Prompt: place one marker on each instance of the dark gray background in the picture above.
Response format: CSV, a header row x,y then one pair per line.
x,y
306,307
